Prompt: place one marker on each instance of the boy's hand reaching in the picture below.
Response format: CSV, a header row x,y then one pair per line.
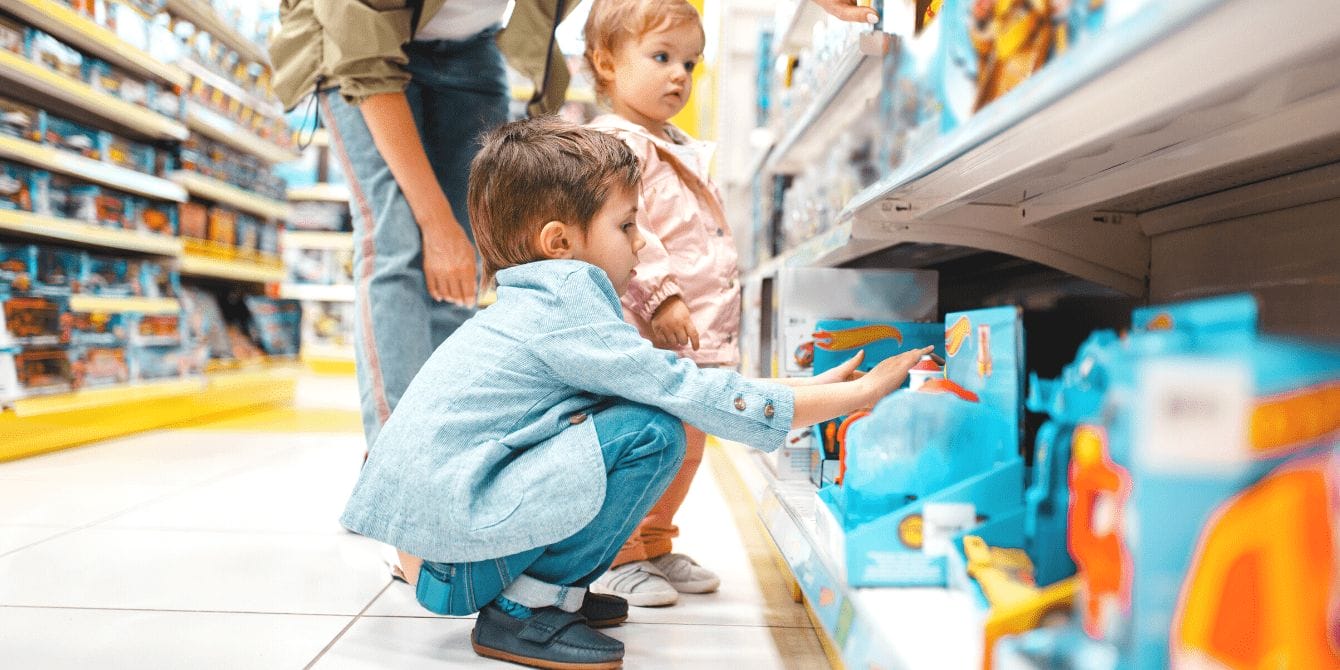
x,y
890,374
671,326
846,372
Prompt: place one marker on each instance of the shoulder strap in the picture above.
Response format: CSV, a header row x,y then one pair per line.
x,y
417,6
548,57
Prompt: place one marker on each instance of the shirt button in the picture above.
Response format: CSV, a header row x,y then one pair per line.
x,y
577,418
739,403
721,232
768,410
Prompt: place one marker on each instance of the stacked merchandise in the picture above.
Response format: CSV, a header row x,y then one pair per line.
x,y
231,329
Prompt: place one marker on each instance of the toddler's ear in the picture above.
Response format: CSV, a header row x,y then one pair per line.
x,y
602,62
555,240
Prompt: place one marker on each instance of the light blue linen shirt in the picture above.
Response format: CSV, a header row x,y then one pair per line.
x,y
488,455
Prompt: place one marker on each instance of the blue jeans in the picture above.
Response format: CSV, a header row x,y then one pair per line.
x,y
457,91
643,448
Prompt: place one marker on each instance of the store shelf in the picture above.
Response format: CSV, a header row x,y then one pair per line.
x,y
223,193
199,265
854,82
318,239
95,303
1164,110
230,88
203,16
80,101
47,423
320,193
68,231
869,627
88,169
797,19
217,127
83,33
318,292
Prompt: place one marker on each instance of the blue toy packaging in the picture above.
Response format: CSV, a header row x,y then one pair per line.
x,y
107,276
276,324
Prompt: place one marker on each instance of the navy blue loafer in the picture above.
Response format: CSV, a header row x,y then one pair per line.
x,y
603,610
550,638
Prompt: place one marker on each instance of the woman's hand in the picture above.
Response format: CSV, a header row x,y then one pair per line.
x,y
671,325
448,261
848,10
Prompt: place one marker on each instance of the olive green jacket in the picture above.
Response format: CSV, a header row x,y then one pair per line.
x,y
358,46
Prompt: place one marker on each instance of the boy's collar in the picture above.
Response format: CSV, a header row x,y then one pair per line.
x,y
549,274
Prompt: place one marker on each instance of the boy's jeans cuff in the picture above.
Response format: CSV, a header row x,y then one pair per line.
x,y
531,592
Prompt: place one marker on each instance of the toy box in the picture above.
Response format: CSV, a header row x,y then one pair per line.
x,y
222,227
97,205
147,363
16,183
57,56
166,100
35,371
40,270
803,296
319,216
36,321
158,280
248,234
204,324
152,216
104,275
98,329
20,120
129,23
154,330
91,367
12,34
275,324
128,154
193,219
267,242
328,323
71,136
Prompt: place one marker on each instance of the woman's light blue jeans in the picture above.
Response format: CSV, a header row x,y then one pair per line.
x,y
643,448
457,90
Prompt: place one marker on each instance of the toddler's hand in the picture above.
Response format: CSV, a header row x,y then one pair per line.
x,y
889,374
671,326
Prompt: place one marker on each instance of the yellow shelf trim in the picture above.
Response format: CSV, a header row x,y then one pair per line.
x,y
223,193
82,167
198,265
84,234
96,303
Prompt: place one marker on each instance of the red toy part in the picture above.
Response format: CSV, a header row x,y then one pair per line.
x,y
1256,591
946,386
1099,491
804,355
842,441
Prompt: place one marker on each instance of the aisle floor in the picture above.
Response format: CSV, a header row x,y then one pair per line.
x,y
218,547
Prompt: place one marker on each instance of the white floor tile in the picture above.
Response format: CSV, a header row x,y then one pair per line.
x,y
399,601
301,490
375,643
54,639
13,537
196,570
708,647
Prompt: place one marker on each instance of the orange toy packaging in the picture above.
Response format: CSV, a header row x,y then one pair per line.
x,y
1203,489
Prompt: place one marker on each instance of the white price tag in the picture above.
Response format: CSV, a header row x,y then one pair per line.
x,y
941,522
1193,415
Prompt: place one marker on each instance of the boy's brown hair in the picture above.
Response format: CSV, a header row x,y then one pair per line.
x,y
613,23
533,171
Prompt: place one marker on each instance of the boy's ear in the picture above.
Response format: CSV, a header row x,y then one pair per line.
x,y
555,240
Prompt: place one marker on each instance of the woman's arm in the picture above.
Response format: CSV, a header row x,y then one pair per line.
x,y
448,257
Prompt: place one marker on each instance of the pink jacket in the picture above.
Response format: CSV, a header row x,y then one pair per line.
x,y
690,251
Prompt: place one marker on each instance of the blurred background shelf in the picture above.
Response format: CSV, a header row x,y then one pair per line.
x,y
106,174
224,193
217,127
320,292
83,33
210,267
318,239
95,303
82,102
83,234
200,13
324,192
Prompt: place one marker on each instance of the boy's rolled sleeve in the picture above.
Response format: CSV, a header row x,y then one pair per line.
x,y
609,358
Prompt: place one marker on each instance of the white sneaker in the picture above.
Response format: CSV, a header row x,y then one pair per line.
x,y
685,575
639,582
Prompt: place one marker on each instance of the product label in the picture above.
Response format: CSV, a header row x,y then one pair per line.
x,y
1193,415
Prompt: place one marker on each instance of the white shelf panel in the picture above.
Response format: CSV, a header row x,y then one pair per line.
x,y
320,193
95,303
86,101
81,32
87,169
318,239
217,127
797,19
1166,100
196,265
231,89
853,83
68,231
318,292
203,16
224,193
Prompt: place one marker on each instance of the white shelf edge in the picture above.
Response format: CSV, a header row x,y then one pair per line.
x,y
83,234
799,23
320,193
224,193
318,239
83,167
200,13
217,268
318,292
231,89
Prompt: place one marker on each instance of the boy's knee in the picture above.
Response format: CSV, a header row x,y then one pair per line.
x,y
671,431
